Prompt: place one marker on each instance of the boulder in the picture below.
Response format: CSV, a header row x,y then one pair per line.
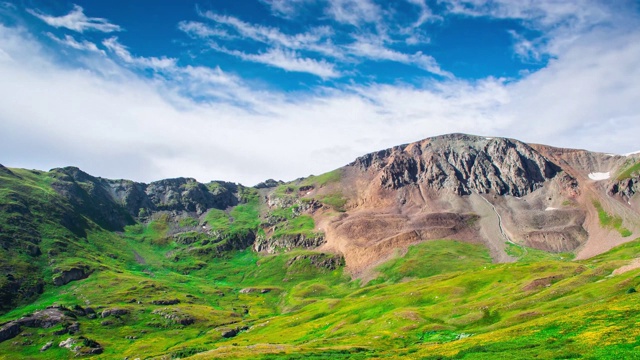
x,y
78,272
114,312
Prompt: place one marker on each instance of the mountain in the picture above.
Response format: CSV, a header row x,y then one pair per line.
x,y
456,246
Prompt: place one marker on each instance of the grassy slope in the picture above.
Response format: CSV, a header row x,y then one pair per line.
x,y
443,299
470,310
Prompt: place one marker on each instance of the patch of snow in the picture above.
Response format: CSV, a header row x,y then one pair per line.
x,y
598,176
489,138
550,208
612,155
632,153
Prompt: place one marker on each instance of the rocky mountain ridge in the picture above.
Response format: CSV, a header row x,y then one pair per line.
x,y
463,164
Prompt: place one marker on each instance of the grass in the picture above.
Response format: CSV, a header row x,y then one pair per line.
x,y
322,180
302,225
432,258
336,200
292,189
631,171
609,221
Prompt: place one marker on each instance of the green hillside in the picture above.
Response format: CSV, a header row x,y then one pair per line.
x,y
162,288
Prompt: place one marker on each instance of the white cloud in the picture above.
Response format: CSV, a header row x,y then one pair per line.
x,y
558,22
120,124
76,20
426,14
200,30
314,40
283,49
374,50
71,42
288,60
145,62
354,12
285,8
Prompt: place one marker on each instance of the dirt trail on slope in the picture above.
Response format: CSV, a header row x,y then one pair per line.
x,y
491,229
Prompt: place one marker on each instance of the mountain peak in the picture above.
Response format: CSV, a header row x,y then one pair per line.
x,y
462,164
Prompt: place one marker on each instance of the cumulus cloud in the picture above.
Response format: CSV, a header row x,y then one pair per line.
x,y
76,20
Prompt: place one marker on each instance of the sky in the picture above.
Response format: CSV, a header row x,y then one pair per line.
x,y
248,90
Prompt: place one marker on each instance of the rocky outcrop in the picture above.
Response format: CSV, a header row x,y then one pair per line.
x,y
462,164
64,277
175,316
232,332
82,346
89,196
115,203
626,188
288,242
183,194
47,318
269,183
319,260
114,312
9,331
166,302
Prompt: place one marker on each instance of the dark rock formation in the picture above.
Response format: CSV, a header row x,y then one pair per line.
x,y
269,183
115,203
166,302
232,332
47,318
462,164
320,261
75,273
288,242
625,188
9,330
114,312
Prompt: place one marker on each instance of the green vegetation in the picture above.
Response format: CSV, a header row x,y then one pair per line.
x,y
609,221
631,171
443,299
302,224
322,180
293,188
335,200
432,258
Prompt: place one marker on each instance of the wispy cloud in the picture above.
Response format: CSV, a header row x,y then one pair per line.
x,y
556,22
285,8
287,60
76,20
284,48
374,50
71,42
354,12
145,62
200,30
312,40
425,15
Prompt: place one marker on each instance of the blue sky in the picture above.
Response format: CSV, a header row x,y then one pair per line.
x,y
253,89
